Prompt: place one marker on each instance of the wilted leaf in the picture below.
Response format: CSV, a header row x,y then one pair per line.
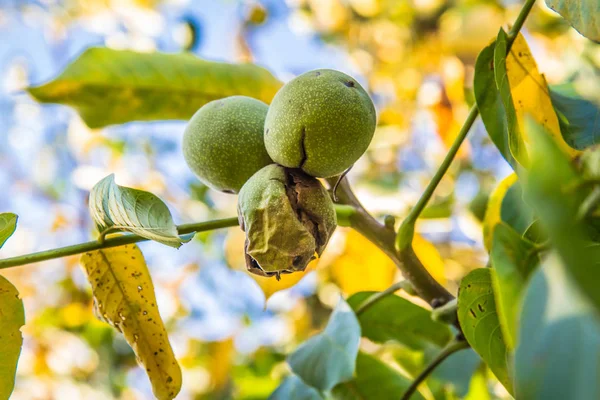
x,y
124,297
329,357
362,266
554,189
514,259
489,103
8,224
12,318
524,94
583,15
374,380
395,318
114,86
559,339
479,321
234,255
122,208
293,388
579,117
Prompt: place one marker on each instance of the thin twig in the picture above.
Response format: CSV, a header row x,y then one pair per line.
x,y
406,231
455,345
374,298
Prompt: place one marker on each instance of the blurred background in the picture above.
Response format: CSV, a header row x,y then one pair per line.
x,y
415,57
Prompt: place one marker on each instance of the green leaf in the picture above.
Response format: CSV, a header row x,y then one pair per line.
x,y
8,224
115,207
293,388
489,103
395,318
115,86
124,297
514,259
558,356
579,117
480,323
554,189
583,15
374,380
329,357
12,318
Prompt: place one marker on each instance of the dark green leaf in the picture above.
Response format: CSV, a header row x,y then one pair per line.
x,y
515,212
489,103
583,15
515,142
293,388
115,207
480,323
8,224
579,117
395,318
514,259
114,86
12,318
554,189
329,357
558,355
374,380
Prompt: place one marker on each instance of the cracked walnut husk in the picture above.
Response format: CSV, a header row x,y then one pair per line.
x,y
288,218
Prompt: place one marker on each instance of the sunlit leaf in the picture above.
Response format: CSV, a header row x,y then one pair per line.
x,y
124,297
122,208
514,259
489,103
235,257
362,266
558,356
395,318
12,318
524,94
579,117
374,380
430,257
479,321
583,15
8,224
329,357
554,189
293,388
478,389
114,86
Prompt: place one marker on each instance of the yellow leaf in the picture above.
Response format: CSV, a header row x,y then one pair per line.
x,y
124,297
12,316
234,255
221,359
492,213
531,98
362,266
430,258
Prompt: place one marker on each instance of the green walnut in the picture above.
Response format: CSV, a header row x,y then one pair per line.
x,y
223,142
288,217
321,122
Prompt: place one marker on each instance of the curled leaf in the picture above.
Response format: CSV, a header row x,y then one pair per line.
x,y
8,224
115,207
124,297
